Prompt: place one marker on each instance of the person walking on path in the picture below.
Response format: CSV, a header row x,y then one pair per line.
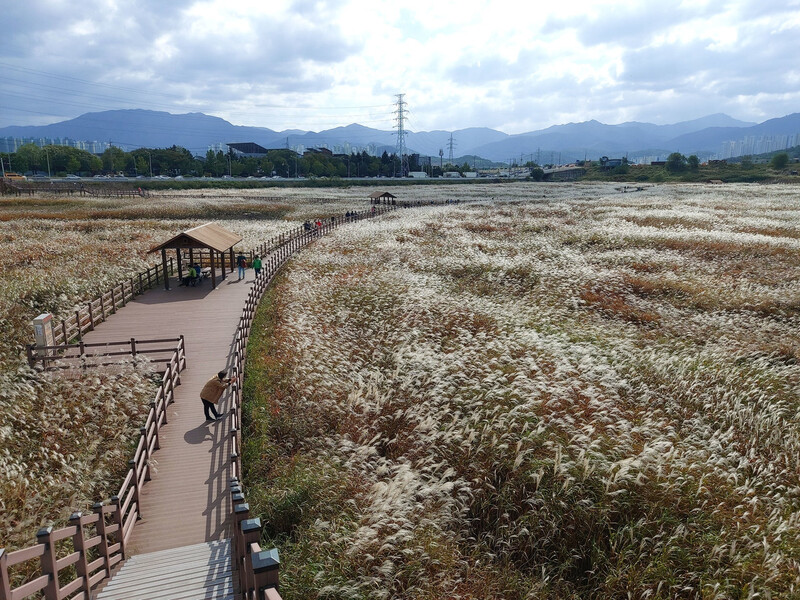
x,y
257,265
212,392
241,262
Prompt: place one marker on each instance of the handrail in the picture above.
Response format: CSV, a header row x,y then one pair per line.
x,y
100,308
63,356
115,519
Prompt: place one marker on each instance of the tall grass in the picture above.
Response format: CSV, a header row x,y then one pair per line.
x,y
591,395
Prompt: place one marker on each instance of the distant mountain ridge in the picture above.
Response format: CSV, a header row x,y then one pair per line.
x,y
134,128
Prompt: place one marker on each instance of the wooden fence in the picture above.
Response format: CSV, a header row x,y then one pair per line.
x,y
98,354
98,540
98,310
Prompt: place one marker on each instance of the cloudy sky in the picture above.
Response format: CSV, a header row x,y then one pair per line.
x,y
515,66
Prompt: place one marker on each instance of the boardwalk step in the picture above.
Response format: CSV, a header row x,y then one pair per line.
x,y
201,571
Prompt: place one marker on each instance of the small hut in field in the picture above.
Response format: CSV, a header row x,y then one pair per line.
x,y
382,198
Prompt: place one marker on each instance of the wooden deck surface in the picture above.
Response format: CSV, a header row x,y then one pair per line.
x,y
187,501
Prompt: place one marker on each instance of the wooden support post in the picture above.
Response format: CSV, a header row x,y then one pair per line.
x,y
91,316
119,522
146,447
113,302
149,282
49,563
102,307
132,465
78,323
265,569
251,534
79,543
100,527
213,270
5,583
180,267
164,266
141,285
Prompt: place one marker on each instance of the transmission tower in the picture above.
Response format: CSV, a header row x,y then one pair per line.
x,y
400,115
450,145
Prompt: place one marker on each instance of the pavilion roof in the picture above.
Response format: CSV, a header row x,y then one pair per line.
x,y
209,235
382,195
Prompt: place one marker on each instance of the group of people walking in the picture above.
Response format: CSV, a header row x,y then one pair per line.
x,y
241,263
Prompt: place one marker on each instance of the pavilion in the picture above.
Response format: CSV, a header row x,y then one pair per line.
x,y
209,237
382,198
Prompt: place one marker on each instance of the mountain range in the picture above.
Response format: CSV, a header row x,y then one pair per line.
x,y
135,128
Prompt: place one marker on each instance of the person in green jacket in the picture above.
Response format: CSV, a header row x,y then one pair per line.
x,y
257,265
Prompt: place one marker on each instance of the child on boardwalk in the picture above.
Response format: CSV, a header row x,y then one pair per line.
x,y
257,265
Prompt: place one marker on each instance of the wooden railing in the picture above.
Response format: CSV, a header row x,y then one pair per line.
x,y
98,310
98,354
102,534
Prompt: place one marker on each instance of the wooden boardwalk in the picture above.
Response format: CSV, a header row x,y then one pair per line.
x,y
188,499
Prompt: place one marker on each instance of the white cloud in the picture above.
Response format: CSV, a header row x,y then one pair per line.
x,y
308,63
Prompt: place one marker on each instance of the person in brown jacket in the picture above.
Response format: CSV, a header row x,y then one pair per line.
x,y
212,392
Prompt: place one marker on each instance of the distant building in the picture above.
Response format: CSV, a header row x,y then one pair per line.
x,y
247,149
417,174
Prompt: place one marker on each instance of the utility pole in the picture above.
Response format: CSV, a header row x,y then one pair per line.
x,y
400,115
441,163
450,145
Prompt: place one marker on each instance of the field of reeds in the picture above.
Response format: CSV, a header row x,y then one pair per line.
x,y
554,392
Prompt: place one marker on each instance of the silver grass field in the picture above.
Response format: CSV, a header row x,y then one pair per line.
x,y
569,393
542,391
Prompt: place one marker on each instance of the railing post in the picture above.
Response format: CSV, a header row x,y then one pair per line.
x,y
133,346
132,465
91,317
251,534
97,507
78,542
113,303
48,563
5,583
265,569
120,523
102,307
78,324
157,422
143,433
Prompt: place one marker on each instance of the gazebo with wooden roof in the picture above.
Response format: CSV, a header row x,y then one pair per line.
x,y
381,198
210,236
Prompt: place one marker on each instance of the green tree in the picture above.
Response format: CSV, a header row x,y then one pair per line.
x,y
694,162
28,157
676,163
114,159
779,161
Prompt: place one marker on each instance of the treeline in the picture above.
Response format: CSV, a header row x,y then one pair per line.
x,y
174,161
